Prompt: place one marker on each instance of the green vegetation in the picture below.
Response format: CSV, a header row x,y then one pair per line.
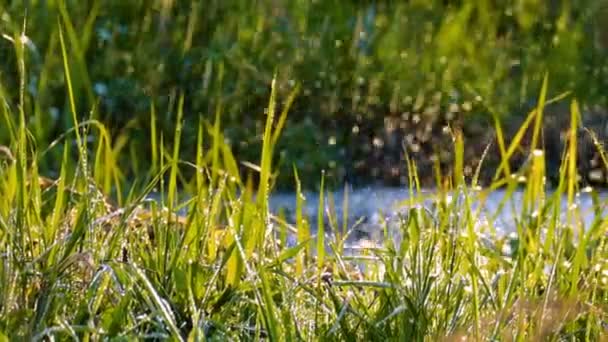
x,y
369,73
76,266
85,255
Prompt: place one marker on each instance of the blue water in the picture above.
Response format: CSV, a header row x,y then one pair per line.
x,y
494,213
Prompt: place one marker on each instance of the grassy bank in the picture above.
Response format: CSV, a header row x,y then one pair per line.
x,y
81,260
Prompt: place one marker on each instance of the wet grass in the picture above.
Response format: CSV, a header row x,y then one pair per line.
x,y
87,256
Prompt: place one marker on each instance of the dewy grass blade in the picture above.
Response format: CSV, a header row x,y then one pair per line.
x,y
266,165
303,232
72,101
572,158
283,117
539,113
321,228
173,191
153,139
159,302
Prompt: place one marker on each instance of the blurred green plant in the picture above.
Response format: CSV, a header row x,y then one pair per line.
x,y
367,71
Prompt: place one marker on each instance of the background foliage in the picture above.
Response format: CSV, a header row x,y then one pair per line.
x,y
371,74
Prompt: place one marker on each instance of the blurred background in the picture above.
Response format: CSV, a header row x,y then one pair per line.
x,y
376,78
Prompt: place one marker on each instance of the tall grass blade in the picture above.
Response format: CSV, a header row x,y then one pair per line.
x,y
266,164
320,226
159,303
173,191
539,113
303,232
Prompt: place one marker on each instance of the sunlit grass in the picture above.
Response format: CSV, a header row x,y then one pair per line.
x,y
88,269
79,261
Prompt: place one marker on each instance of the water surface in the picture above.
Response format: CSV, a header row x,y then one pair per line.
x,y
496,212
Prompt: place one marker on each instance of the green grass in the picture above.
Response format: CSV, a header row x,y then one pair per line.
x,y
86,256
76,266
357,63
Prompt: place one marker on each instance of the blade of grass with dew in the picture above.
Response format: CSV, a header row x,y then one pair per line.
x,y
303,232
344,227
320,242
216,145
599,147
22,146
105,170
82,151
515,144
283,117
59,206
471,243
539,112
458,159
215,132
268,308
200,158
36,230
212,221
266,165
172,191
321,228
231,167
580,257
289,253
234,267
572,158
159,303
500,139
153,140
535,190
